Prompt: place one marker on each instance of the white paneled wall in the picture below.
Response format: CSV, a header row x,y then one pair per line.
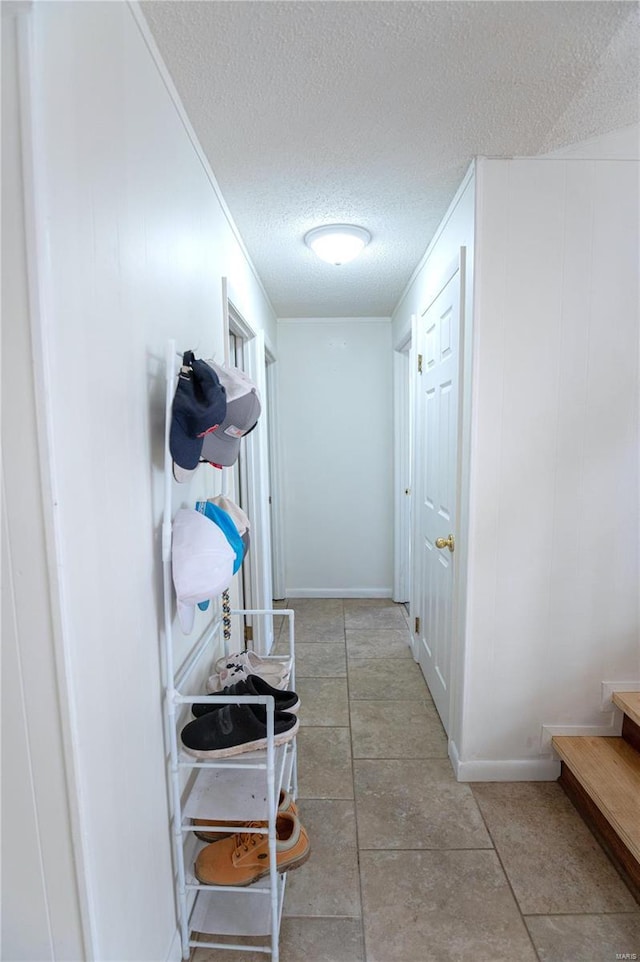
x,y
335,418
40,908
134,240
553,552
547,555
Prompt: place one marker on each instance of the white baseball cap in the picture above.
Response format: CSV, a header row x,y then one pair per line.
x,y
238,516
201,560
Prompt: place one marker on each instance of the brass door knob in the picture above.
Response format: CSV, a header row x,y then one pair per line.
x,y
449,543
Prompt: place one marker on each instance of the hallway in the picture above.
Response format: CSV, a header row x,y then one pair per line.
x,y
407,864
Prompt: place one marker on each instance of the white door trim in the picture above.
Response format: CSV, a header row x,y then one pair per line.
x,y
414,581
275,462
462,506
257,448
236,323
402,473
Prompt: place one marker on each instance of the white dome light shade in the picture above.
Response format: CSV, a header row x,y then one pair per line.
x,y
337,243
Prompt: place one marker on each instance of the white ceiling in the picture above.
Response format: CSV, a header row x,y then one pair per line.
x,y
369,112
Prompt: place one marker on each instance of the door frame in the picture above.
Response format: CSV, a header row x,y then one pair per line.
x,y
402,468
256,451
257,447
275,462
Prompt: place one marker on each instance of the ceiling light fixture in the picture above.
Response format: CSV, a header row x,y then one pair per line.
x,y
337,243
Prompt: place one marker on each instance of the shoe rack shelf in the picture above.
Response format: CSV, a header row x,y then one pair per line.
x,y
215,794
216,791
238,789
244,787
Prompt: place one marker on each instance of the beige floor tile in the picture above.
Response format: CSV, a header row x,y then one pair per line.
x,y
318,620
440,907
328,883
316,606
388,678
364,616
320,660
323,701
321,940
587,938
415,807
553,861
324,763
387,643
301,940
351,604
328,631
396,729
280,645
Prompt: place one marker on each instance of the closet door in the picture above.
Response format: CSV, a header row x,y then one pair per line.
x,y
436,485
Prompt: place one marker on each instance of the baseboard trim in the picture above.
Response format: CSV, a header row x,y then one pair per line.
x,y
338,593
607,689
548,731
507,770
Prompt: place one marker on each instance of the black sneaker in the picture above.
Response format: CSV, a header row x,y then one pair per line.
x,y
254,685
234,729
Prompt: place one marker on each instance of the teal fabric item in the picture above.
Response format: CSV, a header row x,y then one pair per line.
x,y
224,521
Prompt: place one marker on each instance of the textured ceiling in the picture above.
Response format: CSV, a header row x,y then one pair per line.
x,y
370,112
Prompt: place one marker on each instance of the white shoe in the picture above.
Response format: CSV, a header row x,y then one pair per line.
x,y
237,666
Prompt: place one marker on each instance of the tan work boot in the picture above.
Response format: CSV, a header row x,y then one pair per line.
x,y
285,804
244,858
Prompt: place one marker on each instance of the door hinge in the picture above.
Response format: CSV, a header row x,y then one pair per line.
x,y
417,627
269,499
419,363
248,632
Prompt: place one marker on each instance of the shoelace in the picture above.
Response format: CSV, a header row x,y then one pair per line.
x,y
246,840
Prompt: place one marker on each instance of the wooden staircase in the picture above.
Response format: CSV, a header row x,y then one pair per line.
x,y
601,775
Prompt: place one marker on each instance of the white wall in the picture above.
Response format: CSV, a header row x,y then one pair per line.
x,y
553,552
40,907
335,419
134,241
456,231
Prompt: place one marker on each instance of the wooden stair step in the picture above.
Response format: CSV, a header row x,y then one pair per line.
x,y
608,769
629,703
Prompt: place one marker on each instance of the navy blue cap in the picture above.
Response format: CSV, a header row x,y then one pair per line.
x,y
199,406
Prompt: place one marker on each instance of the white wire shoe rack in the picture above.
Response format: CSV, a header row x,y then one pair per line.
x,y
241,788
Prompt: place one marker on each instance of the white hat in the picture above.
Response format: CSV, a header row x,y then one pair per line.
x,y
202,562
236,512
238,517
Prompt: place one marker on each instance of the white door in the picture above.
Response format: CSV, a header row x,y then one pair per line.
x,y
436,487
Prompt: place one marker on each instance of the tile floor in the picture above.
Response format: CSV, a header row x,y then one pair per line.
x,y
407,864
